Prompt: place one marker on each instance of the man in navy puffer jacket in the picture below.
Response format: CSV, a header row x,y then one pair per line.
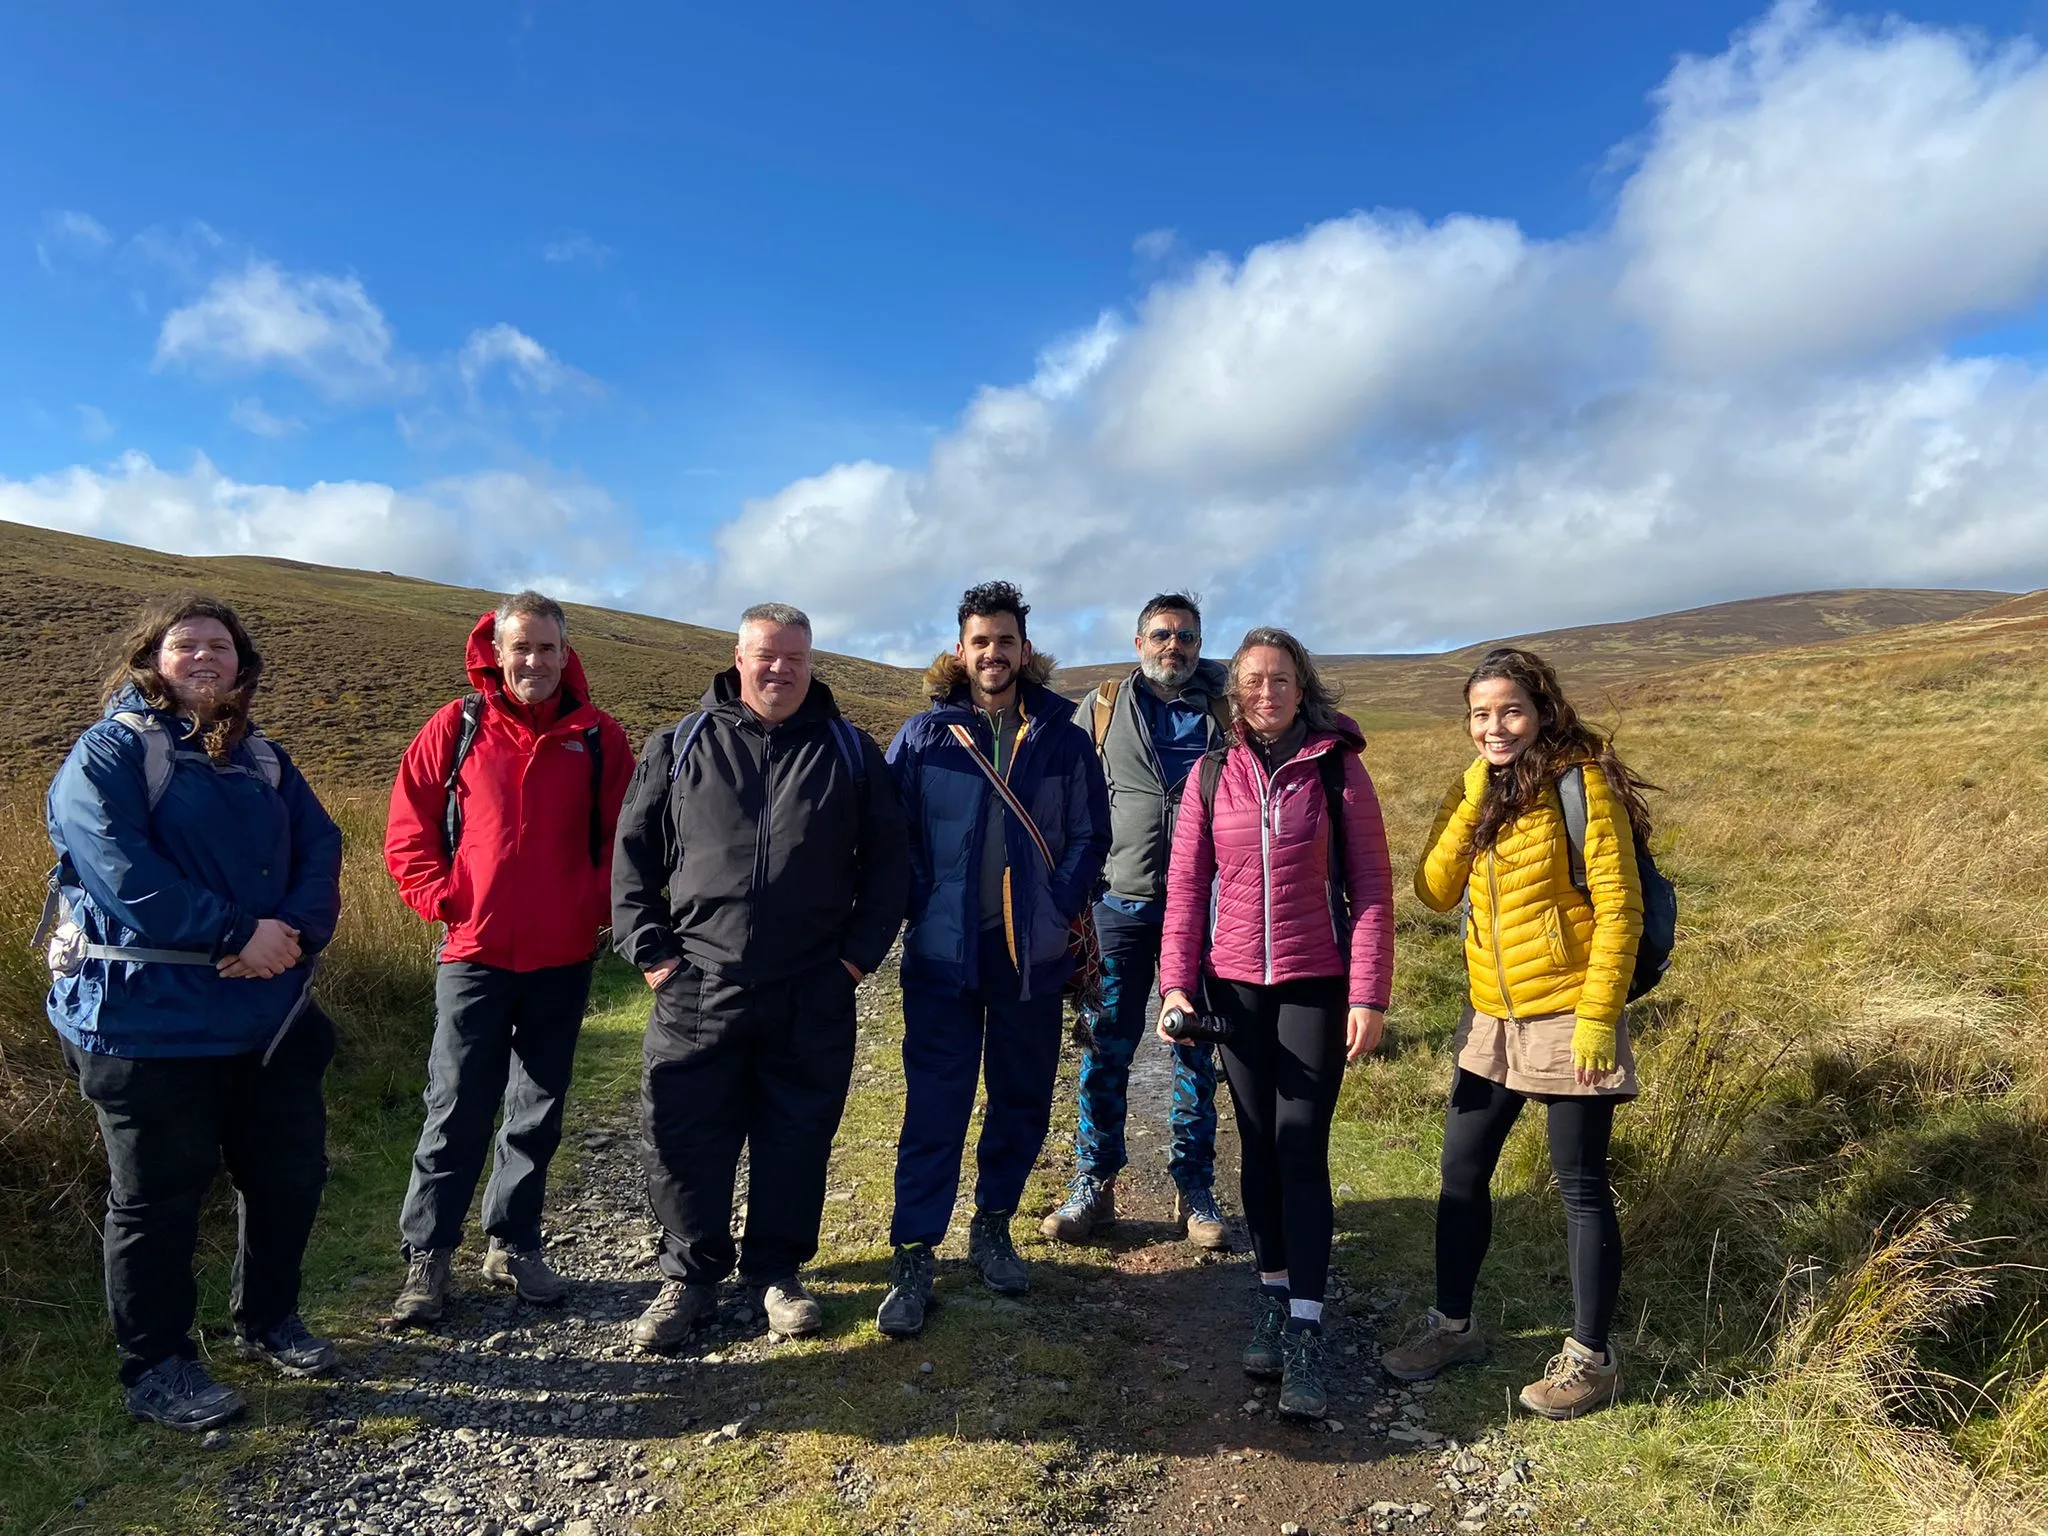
x,y
985,955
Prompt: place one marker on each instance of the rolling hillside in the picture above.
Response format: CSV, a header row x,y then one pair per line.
x,y
357,659
1595,659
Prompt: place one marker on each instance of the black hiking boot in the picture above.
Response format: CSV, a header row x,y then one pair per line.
x,y
990,1250
1303,1392
1262,1358
180,1394
292,1347
903,1309
678,1307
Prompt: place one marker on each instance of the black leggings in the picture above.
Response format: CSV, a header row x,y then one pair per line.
x,y
1285,1062
1475,1129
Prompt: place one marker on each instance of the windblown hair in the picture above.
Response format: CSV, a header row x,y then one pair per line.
x,y
1562,741
991,598
135,664
1318,698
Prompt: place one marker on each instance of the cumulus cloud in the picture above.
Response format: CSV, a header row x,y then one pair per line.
x,y
324,329
531,367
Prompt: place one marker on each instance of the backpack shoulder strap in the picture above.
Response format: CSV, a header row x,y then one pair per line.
x,y
847,739
593,748
268,764
1102,708
682,738
1219,716
1330,769
159,752
1571,794
465,738
1208,774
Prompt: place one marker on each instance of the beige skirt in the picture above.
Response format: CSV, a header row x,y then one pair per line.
x,y
1534,1056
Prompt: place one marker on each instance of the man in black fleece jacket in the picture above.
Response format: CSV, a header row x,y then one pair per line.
x,y
762,869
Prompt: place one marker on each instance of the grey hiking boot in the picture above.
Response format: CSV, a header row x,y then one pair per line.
x,y
180,1394
1262,1358
903,1309
990,1250
1303,1392
1196,1208
1090,1206
292,1347
424,1296
792,1311
678,1307
525,1272
1432,1346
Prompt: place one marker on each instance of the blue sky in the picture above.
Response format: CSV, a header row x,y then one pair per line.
x,y
851,305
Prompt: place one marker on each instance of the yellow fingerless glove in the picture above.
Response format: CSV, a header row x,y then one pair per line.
x,y
1475,780
1593,1046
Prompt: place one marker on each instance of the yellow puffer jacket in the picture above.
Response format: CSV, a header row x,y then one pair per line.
x,y
1535,943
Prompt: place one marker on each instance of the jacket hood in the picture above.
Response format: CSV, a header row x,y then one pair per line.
x,y
485,675
724,693
128,700
946,675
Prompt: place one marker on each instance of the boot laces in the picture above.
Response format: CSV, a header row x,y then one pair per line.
x,y
996,1233
1082,1192
1566,1370
912,1263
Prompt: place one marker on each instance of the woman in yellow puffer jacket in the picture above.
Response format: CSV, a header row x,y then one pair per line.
x,y
1549,966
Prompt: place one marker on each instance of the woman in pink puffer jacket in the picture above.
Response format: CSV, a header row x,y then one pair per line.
x,y
1300,966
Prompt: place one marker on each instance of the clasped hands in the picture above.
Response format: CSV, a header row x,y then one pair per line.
x,y
1363,1027
272,950
667,968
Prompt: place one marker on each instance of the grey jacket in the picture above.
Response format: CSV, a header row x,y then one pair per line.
x,y
1141,812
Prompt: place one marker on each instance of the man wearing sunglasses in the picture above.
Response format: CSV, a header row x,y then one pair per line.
x,y
1150,729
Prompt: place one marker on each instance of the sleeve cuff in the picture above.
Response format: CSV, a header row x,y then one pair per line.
x,y
236,936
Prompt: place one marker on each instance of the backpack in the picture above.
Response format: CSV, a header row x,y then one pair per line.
x,y
465,738
1330,770
1102,707
1660,897
67,949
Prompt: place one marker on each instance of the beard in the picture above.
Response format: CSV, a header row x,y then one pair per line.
x,y
1168,673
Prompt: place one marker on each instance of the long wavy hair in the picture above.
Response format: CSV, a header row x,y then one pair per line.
x,y
1318,698
135,666
1562,741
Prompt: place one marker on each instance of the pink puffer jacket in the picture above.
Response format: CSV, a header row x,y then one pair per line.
x,y
1248,896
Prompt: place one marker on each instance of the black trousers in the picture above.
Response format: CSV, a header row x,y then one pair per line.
x,y
168,1123
766,1067
1482,1113
505,1036
1285,1063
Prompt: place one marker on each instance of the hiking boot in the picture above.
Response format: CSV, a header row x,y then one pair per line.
x,y
524,1272
792,1311
1205,1225
1262,1355
1303,1393
1574,1383
1434,1346
990,1250
291,1347
678,1307
903,1309
424,1296
180,1394
1090,1206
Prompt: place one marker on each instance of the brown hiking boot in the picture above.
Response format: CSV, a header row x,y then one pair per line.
x,y
524,1271
1196,1208
424,1296
792,1310
1090,1205
678,1307
1434,1346
1574,1383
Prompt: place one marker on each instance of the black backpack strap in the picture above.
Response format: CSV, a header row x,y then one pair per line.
x,y
1330,769
847,739
465,738
593,748
1208,774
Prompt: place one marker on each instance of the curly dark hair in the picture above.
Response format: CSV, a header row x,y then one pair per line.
x,y
135,665
1562,741
990,598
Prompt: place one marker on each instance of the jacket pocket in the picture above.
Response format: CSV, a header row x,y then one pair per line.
x,y
1553,933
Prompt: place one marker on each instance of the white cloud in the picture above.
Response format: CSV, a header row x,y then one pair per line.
x,y
251,416
67,232
93,424
576,249
1154,244
324,329
532,369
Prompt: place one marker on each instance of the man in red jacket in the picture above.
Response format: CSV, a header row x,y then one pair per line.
x,y
501,827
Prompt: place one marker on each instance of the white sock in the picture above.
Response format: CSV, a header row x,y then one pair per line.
x,y
1308,1311
1277,1279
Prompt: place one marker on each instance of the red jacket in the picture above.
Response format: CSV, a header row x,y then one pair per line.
x,y
522,894
1248,892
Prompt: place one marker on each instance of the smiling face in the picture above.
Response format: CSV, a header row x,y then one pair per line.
x,y
993,652
774,662
1502,718
1169,645
531,653
1268,689
197,659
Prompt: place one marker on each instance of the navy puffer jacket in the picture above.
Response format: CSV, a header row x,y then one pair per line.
x,y
946,800
220,850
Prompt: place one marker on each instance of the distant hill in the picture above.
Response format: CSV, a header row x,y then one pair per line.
x,y
357,659
1596,659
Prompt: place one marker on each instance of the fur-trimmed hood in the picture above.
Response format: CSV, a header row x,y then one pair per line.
x,y
946,674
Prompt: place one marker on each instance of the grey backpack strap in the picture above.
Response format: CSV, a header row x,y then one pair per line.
x,y
1571,794
268,764
159,752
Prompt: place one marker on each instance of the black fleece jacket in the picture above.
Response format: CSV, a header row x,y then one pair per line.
x,y
765,855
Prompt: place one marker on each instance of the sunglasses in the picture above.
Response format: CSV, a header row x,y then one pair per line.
x,y
1185,636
